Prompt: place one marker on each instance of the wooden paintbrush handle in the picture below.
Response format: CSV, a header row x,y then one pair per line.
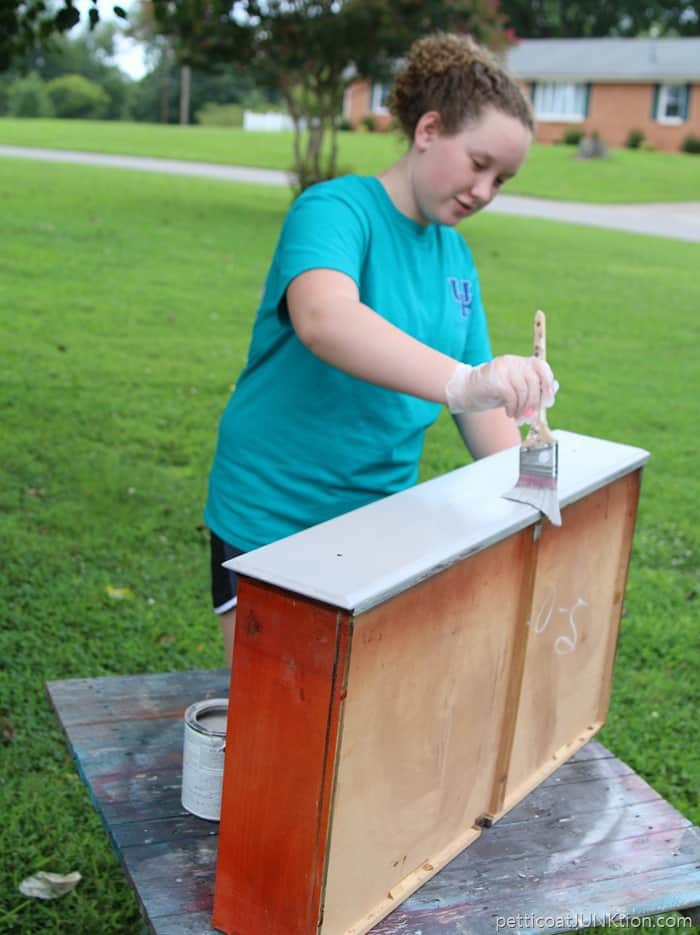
x,y
539,339
539,433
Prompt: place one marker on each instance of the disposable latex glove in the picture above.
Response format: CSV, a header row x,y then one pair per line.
x,y
520,384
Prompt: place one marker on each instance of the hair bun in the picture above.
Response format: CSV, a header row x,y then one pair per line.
x,y
452,74
437,54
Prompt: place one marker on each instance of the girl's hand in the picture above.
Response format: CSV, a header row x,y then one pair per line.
x,y
521,385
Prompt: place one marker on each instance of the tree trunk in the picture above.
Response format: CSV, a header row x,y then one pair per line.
x,y
336,97
165,98
165,88
314,107
185,81
314,149
293,111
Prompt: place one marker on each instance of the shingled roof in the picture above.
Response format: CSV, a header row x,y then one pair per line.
x,y
657,60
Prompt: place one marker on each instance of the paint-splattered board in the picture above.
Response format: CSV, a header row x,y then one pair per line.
x,y
592,844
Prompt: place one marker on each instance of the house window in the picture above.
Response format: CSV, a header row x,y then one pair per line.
x,y
379,98
559,101
672,103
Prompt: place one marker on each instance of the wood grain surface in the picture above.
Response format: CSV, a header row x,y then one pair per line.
x,y
593,838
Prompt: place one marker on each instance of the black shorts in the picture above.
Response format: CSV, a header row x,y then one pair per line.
x,y
223,581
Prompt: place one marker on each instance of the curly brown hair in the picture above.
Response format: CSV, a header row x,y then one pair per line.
x,y
458,78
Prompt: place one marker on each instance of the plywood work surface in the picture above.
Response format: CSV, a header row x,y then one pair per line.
x,y
593,838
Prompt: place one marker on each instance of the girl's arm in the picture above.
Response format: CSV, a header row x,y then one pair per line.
x,y
329,318
485,433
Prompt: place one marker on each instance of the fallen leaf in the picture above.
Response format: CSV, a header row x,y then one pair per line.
x,y
8,733
165,639
46,885
36,491
119,594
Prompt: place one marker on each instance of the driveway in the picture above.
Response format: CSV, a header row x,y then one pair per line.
x,y
678,220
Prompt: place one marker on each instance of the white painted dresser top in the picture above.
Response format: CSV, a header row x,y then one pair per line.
x,y
362,558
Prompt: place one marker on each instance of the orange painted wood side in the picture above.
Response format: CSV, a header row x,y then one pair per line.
x,y
290,658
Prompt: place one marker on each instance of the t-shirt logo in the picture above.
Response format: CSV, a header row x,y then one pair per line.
x,y
462,294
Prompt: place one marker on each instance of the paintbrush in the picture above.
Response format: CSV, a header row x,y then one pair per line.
x,y
539,453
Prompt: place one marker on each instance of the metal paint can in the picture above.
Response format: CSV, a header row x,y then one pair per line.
x,y
203,757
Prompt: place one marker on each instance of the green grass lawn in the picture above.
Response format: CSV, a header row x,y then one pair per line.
x,y
126,301
550,172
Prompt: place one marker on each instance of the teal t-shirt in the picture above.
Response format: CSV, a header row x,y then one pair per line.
x,y
300,441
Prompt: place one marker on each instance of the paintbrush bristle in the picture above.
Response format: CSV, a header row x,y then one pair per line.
x,y
537,483
541,498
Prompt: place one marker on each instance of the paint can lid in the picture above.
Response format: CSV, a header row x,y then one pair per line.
x,y
208,716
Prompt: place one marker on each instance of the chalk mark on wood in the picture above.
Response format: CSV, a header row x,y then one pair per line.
x,y
566,642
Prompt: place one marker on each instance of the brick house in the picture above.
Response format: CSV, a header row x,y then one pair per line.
x,y
611,86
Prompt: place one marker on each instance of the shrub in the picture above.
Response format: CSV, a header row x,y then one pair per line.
x,y
76,96
220,115
572,137
369,123
592,147
28,97
691,144
634,140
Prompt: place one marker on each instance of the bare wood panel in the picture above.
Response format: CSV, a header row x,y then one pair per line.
x,y
284,705
425,708
572,633
630,489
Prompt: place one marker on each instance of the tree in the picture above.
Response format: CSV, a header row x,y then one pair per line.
x,y
29,26
582,19
309,51
306,50
87,54
664,17
144,28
